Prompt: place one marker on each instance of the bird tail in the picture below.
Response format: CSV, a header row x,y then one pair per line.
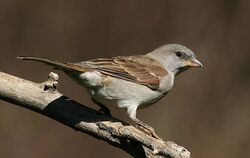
x,y
56,64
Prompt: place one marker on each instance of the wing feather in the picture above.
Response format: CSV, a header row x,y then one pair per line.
x,y
140,69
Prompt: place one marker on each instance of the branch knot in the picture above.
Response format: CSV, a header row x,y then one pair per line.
x,y
52,82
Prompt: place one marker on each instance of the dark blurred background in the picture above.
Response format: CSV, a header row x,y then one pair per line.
x,y
208,109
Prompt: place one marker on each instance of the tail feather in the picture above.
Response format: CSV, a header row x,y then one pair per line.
x,y
56,64
65,66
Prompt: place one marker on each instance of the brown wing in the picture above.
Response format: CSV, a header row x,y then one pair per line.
x,y
140,69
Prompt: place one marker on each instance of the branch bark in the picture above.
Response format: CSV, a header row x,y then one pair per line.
x,y
45,99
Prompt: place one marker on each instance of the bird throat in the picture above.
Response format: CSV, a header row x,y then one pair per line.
x,y
181,69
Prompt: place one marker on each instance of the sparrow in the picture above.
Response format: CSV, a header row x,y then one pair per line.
x,y
130,82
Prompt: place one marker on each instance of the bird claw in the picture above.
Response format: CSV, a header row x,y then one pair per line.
x,y
105,111
103,108
148,130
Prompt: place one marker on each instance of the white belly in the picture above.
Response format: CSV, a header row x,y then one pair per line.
x,y
119,93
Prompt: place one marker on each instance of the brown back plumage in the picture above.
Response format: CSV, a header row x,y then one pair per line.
x,y
140,69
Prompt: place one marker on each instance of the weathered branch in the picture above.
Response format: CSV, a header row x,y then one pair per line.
x,y
45,99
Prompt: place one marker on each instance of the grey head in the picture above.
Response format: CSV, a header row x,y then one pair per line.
x,y
175,58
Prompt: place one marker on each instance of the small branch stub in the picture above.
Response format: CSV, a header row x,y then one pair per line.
x,y
52,82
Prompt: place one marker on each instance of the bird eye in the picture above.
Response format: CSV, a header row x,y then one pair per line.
x,y
179,54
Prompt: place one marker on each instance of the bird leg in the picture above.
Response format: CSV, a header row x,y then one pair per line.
x,y
146,128
131,110
103,108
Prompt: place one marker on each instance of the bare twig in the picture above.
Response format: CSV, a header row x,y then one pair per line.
x,y
45,99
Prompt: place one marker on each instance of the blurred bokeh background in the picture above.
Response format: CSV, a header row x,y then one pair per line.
x,y
207,111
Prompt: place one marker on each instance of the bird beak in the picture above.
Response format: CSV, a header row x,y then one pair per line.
x,y
194,63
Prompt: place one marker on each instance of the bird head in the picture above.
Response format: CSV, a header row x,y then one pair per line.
x,y
175,58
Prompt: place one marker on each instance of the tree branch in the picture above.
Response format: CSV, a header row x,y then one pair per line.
x,y
45,99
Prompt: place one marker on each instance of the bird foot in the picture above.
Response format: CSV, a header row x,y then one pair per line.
x,y
103,108
105,111
148,130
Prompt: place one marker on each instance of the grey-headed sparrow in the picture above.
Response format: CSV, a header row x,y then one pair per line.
x,y
131,82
